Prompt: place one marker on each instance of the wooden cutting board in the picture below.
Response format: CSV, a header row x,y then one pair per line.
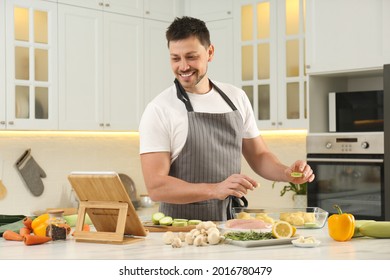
x,y
157,228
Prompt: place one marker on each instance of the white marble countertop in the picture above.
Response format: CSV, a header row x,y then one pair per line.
x,y
153,248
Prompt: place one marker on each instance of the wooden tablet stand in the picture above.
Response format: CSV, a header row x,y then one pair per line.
x,y
104,198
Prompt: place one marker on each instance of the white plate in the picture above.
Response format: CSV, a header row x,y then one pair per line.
x,y
305,245
258,243
223,228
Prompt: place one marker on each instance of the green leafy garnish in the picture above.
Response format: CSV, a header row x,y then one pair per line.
x,y
248,235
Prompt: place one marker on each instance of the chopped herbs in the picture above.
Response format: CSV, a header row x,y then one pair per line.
x,y
248,235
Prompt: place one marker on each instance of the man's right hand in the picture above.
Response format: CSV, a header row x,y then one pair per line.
x,y
235,185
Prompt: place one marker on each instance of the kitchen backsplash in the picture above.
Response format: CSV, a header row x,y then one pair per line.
x,y
60,153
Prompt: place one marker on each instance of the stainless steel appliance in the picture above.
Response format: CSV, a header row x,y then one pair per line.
x,y
349,169
358,111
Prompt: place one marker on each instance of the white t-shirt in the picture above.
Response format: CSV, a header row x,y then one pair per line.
x,y
164,123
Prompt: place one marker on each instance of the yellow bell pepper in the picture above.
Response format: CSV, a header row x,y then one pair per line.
x,y
39,224
341,226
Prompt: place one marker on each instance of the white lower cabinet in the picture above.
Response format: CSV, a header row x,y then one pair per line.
x,y
100,70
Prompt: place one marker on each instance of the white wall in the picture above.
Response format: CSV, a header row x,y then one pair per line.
x,y
60,153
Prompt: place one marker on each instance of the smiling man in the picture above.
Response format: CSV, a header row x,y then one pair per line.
x,y
192,136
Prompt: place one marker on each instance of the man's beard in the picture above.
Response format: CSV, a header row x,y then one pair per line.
x,y
200,78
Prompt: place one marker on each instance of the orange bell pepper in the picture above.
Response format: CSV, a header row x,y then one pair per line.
x,y
341,226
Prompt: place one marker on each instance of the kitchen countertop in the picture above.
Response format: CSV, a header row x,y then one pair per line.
x,y
153,248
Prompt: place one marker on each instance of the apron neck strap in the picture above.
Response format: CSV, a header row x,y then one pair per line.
x,y
183,96
224,96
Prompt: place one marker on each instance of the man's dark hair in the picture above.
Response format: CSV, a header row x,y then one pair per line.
x,y
185,27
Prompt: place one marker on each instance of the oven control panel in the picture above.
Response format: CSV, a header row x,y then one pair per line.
x,y
345,143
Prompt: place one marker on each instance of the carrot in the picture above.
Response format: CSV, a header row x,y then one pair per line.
x,y
35,239
27,222
24,231
11,235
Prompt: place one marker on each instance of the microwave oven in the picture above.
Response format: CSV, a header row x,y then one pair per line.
x,y
358,111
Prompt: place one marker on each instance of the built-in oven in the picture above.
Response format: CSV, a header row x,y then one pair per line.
x,y
349,170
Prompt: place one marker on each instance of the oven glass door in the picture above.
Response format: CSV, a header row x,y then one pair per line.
x,y
356,185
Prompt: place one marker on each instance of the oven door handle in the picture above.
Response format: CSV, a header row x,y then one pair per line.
x,y
353,160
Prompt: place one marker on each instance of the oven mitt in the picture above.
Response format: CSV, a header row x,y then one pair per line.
x,y
31,173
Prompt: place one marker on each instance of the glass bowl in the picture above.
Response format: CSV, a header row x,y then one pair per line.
x,y
307,217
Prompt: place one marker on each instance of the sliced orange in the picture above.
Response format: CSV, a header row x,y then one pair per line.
x,y
282,229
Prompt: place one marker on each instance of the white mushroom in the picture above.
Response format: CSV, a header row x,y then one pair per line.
x,y
182,236
209,224
200,240
176,242
200,226
168,237
189,239
213,238
195,233
210,230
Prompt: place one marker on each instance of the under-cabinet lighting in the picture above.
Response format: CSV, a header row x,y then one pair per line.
x,y
284,132
69,133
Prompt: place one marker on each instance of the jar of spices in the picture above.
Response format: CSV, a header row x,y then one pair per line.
x,y
57,228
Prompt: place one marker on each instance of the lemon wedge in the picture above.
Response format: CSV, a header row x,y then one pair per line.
x,y
282,229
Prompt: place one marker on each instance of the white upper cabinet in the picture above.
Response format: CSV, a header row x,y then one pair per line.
x,y
31,65
158,74
348,35
219,20
123,71
100,69
269,41
2,67
126,7
221,68
208,10
164,10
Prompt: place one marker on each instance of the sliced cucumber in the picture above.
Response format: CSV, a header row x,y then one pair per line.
x,y
180,220
156,217
194,222
179,224
310,225
296,174
166,221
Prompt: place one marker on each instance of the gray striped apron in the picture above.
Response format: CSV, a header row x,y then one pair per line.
x,y
212,153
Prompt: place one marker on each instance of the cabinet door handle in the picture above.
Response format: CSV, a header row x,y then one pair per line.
x,y
11,122
2,122
107,5
273,123
280,123
100,3
108,125
147,12
101,124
